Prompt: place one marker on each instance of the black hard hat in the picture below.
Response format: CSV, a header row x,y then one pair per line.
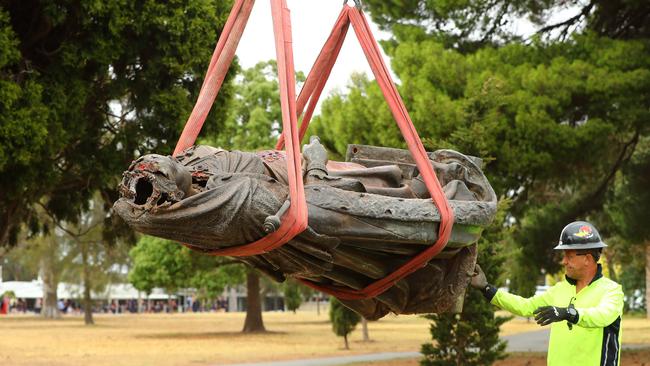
x,y
580,235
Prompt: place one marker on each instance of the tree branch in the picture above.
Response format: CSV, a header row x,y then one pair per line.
x,y
624,156
496,24
569,22
75,236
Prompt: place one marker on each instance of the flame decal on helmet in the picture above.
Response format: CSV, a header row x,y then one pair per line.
x,y
584,232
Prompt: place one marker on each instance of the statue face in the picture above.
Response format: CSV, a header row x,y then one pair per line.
x,y
155,181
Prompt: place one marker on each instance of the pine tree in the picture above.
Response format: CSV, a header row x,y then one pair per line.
x,y
471,337
343,320
292,295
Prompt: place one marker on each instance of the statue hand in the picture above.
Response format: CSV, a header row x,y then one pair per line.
x,y
479,281
315,158
314,152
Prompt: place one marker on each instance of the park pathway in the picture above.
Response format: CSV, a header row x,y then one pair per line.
x,y
342,360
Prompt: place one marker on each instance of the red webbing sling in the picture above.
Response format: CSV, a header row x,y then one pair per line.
x,y
295,220
220,62
312,90
320,72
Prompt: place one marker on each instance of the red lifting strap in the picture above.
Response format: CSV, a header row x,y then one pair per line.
x,y
295,220
312,90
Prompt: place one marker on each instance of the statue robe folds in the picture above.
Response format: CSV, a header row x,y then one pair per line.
x,y
367,216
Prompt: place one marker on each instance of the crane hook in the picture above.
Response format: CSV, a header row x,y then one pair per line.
x,y
357,3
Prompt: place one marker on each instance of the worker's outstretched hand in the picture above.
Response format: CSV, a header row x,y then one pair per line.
x,y
546,315
479,280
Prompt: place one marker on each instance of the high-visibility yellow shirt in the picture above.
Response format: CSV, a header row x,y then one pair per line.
x,y
595,339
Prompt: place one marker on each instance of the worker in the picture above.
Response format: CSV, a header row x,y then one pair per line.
x,y
584,310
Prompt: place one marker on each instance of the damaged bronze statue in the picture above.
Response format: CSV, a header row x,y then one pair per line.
x,y
367,216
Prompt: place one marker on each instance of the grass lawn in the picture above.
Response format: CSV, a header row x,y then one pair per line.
x,y
192,339
214,338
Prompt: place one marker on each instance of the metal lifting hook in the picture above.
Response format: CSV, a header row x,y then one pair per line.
x,y
357,3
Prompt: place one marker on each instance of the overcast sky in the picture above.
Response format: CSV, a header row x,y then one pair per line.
x,y
312,21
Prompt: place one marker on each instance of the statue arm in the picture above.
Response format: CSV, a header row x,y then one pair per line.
x,y
315,157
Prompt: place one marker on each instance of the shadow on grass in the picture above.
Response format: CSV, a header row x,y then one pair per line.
x,y
206,335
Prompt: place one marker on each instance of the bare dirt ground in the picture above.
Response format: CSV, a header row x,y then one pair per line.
x,y
215,339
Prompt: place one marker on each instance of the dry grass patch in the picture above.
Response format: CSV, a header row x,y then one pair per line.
x,y
192,339
213,339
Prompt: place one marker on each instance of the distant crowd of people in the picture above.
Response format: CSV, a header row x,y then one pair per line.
x,y
74,307
12,305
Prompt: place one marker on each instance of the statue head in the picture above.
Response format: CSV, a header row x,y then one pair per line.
x,y
154,181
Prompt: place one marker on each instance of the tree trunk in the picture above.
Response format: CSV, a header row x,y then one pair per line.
x,y
364,329
253,322
50,309
87,301
345,339
609,256
647,279
318,304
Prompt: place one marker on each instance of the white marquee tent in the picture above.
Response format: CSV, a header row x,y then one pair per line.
x,y
122,291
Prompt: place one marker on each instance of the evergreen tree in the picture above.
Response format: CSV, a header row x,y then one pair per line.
x,y
471,338
628,212
343,320
292,295
596,39
88,86
555,124
469,25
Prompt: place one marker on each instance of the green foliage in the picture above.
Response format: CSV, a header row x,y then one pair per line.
x,y
88,86
360,116
254,120
292,295
25,261
343,319
472,337
628,207
212,274
159,263
632,273
255,117
169,265
469,25
554,122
